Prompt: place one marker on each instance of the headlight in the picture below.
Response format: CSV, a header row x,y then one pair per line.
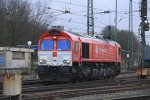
x,y
68,61
42,61
64,61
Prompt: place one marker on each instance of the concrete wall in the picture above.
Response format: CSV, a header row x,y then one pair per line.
x,y
14,57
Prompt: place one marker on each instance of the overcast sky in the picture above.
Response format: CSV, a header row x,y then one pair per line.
x,y
76,20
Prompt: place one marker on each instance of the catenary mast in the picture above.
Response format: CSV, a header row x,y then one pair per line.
x,y
90,18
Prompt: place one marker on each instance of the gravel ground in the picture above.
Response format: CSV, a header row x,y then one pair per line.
x,y
110,96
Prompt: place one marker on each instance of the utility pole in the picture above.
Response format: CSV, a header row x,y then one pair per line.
x,y
144,27
90,18
130,35
116,19
139,46
131,32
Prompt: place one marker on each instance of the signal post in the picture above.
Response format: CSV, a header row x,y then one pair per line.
x,y
144,27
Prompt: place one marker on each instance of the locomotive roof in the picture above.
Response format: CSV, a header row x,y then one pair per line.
x,y
72,36
64,33
86,39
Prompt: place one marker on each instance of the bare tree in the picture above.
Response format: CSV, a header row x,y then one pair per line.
x,y
122,37
21,21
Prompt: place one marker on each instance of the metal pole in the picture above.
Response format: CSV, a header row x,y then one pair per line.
x,y
116,19
142,44
129,35
139,47
90,18
143,18
132,60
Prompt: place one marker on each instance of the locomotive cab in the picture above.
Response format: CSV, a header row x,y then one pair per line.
x,y
55,50
55,54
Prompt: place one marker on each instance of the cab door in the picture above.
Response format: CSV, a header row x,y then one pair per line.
x,y
76,51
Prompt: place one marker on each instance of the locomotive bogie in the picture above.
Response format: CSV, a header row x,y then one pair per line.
x,y
54,73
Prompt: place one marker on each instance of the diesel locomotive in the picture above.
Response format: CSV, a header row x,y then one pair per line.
x,y
63,56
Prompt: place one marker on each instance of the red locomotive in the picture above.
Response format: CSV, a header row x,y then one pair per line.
x,y
64,56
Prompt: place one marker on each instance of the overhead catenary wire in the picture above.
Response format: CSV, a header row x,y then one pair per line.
x,y
75,4
121,12
77,22
84,15
77,14
95,18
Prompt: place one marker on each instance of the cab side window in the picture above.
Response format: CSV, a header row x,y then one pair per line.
x,y
75,48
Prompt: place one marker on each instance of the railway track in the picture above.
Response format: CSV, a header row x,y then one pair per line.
x,y
123,76
80,89
68,93
36,90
